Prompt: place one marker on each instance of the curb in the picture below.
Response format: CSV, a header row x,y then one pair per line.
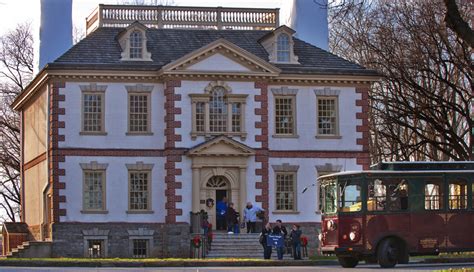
x,y
448,260
203,263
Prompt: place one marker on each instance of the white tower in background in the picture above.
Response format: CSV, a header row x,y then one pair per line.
x,y
55,31
310,20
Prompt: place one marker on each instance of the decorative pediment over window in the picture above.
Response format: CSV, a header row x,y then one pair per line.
x,y
133,42
218,58
221,146
280,45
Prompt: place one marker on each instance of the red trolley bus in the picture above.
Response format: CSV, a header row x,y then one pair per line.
x,y
396,210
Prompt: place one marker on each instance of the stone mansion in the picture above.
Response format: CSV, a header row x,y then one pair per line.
x,y
142,121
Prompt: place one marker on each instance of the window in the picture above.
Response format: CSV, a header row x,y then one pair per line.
x,y
218,112
136,45
94,190
434,195
140,248
139,190
389,194
139,113
329,192
327,116
457,195
285,191
283,48
95,248
92,112
377,195
285,115
350,200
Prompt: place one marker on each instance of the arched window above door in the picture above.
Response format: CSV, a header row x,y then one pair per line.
x,y
217,182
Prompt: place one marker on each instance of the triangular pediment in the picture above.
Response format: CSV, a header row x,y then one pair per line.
x,y
221,146
221,57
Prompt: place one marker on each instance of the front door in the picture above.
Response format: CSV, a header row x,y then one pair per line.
x,y
217,187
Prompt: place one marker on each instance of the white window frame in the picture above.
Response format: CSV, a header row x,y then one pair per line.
x,y
145,91
336,123
93,89
286,169
140,167
94,167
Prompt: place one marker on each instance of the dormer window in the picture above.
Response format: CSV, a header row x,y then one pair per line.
x,y
136,45
283,48
133,43
280,45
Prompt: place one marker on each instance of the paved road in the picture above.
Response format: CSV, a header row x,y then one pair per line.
x,y
409,267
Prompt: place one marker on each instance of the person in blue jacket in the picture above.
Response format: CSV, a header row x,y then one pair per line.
x,y
221,209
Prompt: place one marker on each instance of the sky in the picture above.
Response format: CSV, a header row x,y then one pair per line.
x,y
13,12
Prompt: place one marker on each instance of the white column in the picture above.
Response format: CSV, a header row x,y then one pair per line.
x,y
229,117
243,190
206,117
196,189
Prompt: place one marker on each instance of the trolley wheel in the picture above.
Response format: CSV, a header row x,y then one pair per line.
x,y
387,253
348,262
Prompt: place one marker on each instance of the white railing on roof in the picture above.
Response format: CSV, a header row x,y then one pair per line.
x,y
182,17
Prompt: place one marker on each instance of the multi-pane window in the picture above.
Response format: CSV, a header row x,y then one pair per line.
x,y
94,190
377,192
136,45
92,110
200,116
140,248
217,111
139,113
285,115
285,191
457,195
434,195
95,248
350,198
387,194
327,116
139,190
236,117
283,48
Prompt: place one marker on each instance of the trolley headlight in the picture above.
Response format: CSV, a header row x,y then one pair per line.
x,y
320,237
352,235
331,225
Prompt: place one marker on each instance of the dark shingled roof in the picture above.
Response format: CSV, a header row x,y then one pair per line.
x,y
101,50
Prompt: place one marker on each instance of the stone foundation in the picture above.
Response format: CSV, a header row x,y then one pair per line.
x,y
311,231
168,240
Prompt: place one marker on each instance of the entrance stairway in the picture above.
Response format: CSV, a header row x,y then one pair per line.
x,y
31,249
241,245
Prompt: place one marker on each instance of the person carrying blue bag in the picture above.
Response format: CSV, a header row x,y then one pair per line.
x,y
279,229
267,248
221,209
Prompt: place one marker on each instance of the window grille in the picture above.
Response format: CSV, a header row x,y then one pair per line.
x,y
327,116
139,112
93,190
285,191
139,190
284,116
283,48
92,112
136,45
140,248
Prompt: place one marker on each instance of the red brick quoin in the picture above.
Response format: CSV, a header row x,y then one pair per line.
x,y
53,153
363,158
261,154
172,155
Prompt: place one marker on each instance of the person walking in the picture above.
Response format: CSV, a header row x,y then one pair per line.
x,y
250,216
279,229
221,209
295,236
267,249
231,218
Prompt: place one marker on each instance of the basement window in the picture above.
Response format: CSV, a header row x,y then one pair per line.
x,y
96,248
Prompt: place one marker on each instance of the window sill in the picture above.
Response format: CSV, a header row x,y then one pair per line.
x,y
335,137
94,212
242,135
139,133
92,133
285,212
285,136
139,212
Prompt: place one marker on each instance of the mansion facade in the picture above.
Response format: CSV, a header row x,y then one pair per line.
x,y
136,127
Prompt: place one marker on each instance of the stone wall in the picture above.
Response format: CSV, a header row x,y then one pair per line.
x,y
311,231
169,240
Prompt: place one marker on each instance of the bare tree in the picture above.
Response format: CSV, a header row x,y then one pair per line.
x,y
16,71
456,22
420,110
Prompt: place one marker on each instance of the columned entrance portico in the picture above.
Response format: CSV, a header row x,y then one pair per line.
x,y
219,166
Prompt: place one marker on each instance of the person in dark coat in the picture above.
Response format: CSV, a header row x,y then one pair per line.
x,y
267,249
231,217
279,229
295,236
